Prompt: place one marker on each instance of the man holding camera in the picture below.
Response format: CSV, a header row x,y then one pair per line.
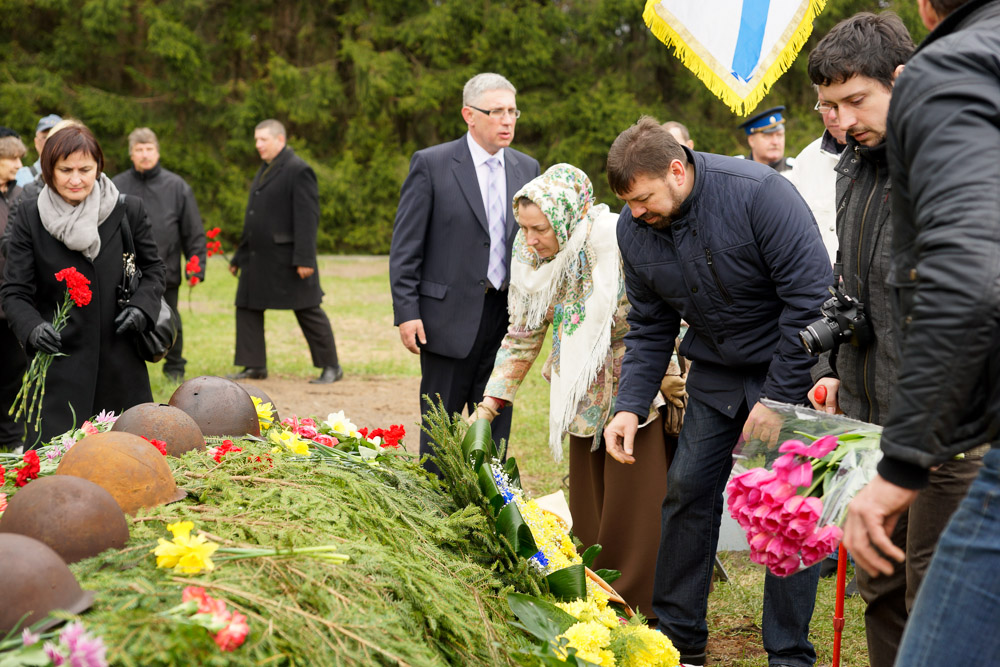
x,y
855,66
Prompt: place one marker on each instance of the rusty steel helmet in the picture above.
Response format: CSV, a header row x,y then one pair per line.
x,y
75,517
126,466
159,421
36,582
219,406
264,398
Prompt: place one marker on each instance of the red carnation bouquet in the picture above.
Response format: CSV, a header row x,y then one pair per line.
x,y
29,399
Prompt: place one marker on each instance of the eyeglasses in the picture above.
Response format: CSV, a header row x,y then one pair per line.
x,y
498,113
824,107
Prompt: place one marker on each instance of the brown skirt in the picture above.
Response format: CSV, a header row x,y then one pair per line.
x,y
618,506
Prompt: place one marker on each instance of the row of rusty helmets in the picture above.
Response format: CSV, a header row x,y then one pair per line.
x,y
75,517
80,511
128,467
36,583
219,406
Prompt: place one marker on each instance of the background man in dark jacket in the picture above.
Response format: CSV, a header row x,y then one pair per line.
x,y
451,244
276,258
173,214
729,246
945,275
855,66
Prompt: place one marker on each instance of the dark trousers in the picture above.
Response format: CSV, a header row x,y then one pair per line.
x,y
890,598
689,536
251,351
603,492
13,364
174,362
460,382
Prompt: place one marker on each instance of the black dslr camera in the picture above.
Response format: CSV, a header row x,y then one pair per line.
x,y
843,321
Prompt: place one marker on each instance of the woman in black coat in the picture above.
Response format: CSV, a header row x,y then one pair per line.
x,y
76,222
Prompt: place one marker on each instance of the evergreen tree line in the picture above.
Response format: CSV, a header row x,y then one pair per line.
x,y
361,85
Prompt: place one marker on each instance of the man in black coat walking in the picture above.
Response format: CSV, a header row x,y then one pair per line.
x,y
276,258
176,222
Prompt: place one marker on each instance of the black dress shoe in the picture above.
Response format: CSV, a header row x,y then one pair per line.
x,y
250,373
329,375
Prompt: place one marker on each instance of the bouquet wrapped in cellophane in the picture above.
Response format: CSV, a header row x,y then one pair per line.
x,y
791,496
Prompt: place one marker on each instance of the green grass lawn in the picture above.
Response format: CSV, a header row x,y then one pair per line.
x,y
360,307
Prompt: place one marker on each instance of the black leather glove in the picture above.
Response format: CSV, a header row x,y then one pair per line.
x,y
45,338
131,318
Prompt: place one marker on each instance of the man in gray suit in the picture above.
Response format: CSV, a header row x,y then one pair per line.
x,y
450,256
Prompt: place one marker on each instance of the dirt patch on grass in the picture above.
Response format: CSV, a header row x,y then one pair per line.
x,y
733,639
372,401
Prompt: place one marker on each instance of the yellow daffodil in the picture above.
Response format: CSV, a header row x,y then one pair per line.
x,y
265,413
186,554
288,441
181,528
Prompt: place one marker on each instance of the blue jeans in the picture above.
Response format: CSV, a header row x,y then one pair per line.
x,y
955,618
692,514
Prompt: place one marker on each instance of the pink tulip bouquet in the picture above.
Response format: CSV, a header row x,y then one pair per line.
x,y
792,509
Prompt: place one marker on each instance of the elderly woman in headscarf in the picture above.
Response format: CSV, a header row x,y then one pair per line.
x,y
77,222
566,273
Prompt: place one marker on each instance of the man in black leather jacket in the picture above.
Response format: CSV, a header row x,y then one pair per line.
x,y
946,280
176,222
855,66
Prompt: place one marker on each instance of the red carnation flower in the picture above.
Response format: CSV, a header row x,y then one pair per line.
x,y
227,447
76,283
160,445
29,470
213,232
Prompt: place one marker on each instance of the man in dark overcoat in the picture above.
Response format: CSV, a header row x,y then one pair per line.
x,y
451,245
176,222
276,258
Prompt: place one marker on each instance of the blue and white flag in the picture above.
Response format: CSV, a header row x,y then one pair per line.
x,y
738,48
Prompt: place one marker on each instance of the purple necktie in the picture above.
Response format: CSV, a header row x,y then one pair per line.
x,y
497,270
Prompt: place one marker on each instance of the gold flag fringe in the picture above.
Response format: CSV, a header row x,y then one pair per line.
x,y
720,88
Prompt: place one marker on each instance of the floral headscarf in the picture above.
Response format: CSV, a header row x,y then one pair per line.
x,y
582,283
565,195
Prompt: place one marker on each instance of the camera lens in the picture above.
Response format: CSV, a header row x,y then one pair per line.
x,y
819,337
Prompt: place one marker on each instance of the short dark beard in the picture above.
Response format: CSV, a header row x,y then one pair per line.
x,y
662,223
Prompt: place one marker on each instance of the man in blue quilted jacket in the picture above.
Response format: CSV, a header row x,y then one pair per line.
x,y
729,246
